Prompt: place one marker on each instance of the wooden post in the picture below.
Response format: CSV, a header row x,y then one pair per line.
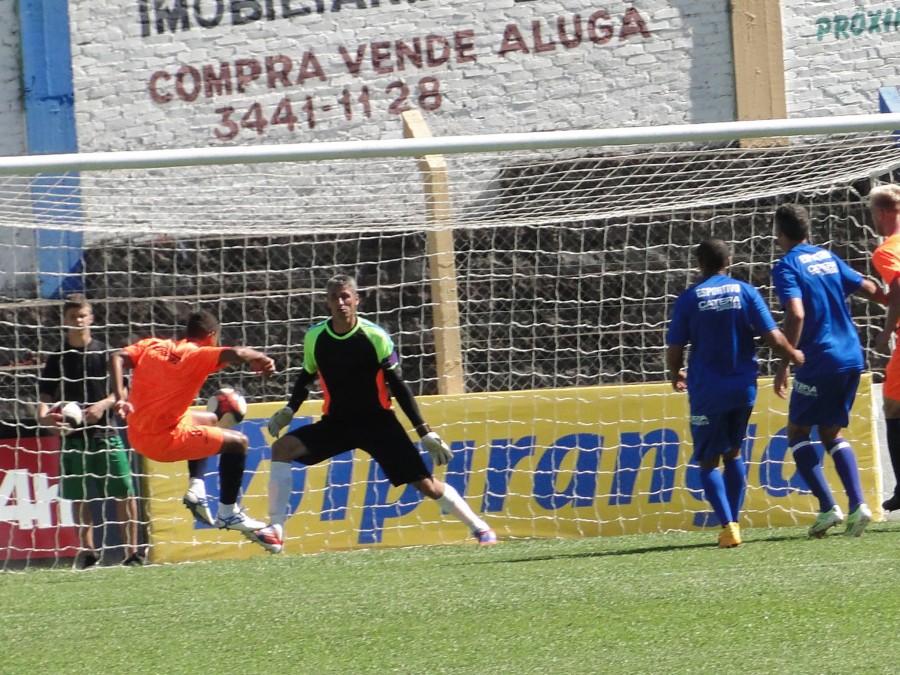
x,y
441,261
758,48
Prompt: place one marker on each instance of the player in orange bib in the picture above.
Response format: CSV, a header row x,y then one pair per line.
x,y
884,205
166,378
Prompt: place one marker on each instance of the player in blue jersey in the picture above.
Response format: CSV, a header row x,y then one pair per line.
x,y
358,368
719,317
813,284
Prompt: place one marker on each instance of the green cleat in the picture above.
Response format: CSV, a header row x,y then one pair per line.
x,y
825,521
857,521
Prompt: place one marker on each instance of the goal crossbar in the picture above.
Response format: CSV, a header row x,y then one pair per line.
x,y
417,147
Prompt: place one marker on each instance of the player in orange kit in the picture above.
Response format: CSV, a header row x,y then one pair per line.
x,y
884,206
166,379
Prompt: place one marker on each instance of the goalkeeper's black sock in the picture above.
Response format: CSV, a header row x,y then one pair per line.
x,y
892,427
231,472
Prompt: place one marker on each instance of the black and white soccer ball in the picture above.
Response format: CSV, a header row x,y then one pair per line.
x,y
72,415
229,407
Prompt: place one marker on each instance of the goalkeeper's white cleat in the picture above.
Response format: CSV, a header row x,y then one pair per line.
x,y
240,522
269,538
199,508
485,537
825,521
858,520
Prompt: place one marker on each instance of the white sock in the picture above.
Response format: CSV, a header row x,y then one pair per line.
x,y
280,484
226,510
452,502
198,487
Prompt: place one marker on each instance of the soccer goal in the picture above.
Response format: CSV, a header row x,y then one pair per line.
x,y
526,279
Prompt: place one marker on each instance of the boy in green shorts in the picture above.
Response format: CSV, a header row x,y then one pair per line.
x,y
96,452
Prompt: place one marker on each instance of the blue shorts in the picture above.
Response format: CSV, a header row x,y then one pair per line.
x,y
718,434
823,401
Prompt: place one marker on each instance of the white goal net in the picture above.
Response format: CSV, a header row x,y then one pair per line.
x,y
563,264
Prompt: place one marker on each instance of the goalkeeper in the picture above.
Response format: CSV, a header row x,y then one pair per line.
x,y
356,362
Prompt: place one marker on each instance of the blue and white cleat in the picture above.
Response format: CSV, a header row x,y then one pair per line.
x,y
239,522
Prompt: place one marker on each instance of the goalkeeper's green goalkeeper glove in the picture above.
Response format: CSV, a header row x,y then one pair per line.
x,y
439,451
280,420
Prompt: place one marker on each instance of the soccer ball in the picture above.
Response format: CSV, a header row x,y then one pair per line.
x,y
72,415
229,407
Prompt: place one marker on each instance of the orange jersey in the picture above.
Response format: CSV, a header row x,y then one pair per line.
x,y
166,378
886,259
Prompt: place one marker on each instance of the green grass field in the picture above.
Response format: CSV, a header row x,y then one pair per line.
x,y
668,603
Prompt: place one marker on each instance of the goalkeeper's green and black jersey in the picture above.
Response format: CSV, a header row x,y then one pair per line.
x,y
351,367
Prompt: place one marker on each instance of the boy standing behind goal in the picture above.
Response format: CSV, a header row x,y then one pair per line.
x,y
95,454
719,317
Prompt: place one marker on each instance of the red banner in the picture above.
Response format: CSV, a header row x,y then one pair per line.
x,y
34,522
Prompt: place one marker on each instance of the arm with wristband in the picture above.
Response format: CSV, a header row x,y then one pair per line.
x,y
440,452
283,417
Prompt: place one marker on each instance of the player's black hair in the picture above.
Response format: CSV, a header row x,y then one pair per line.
x,y
712,255
200,324
792,220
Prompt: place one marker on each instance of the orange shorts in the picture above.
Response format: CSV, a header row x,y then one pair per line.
x,y
185,441
891,387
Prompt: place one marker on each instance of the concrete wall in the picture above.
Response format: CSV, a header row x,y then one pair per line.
x,y
16,245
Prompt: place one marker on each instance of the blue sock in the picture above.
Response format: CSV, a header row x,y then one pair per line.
x,y
810,468
845,464
714,487
735,476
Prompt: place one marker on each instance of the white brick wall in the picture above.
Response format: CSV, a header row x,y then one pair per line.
x,y
681,72
837,54
836,58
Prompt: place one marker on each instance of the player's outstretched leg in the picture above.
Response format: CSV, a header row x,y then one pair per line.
x,y
270,537
231,471
452,502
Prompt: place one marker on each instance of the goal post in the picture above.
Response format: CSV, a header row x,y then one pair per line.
x,y
565,251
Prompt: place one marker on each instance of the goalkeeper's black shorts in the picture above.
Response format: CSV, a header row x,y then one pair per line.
x,y
382,436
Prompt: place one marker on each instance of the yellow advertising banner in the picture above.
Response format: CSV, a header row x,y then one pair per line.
x,y
577,462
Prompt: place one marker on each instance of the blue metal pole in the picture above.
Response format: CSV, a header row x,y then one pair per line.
x,y
50,121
